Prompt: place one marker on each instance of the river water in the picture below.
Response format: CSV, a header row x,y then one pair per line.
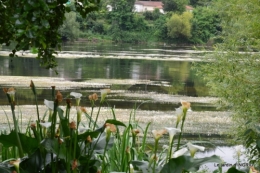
x,y
143,71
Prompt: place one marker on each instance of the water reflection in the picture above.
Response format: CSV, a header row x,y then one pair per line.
x,y
178,76
135,71
189,88
228,154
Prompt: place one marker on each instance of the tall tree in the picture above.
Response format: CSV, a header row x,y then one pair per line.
x,y
233,71
35,24
179,26
205,24
122,14
70,28
174,5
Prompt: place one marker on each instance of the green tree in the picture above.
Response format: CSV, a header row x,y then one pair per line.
x,y
160,28
35,24
124,22
196,3
122,15
174,5
152,15
70,28
205,24
233,71
179,26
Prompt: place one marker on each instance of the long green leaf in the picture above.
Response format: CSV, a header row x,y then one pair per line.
x,y
115,122
29,144
177,165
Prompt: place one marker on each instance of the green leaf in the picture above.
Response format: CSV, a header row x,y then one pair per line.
x,y
258,143
53,146
234,170
45,23
64,123
84,136
30,34
18,22
88,165
177,165
28,143
34,50
143,165
34,162
115,122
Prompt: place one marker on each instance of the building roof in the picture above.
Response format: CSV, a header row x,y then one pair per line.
x,y
155,4
189,7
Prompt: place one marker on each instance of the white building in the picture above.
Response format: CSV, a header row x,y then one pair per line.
x,y
142,6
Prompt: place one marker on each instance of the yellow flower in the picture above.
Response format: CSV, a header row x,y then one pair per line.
x,y
135,131
157,134
11,93
93,97
185,105
111,127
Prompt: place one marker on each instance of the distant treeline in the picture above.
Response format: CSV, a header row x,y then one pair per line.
x,y
122,24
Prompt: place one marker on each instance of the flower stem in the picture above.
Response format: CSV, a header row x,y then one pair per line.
x,y
155,154
170,152
104,155
182,126
20,148
95,123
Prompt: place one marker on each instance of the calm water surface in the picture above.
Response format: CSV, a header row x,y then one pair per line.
x,y
151,63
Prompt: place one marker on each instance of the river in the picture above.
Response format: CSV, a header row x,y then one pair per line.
x,y
154,77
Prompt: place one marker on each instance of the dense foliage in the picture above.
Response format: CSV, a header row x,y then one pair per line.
x,y
233,71
121,23
70,28
205,25
36,25
179,26
174,5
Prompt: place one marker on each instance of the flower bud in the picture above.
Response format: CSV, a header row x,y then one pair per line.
x,y
73,125
59,97
74,164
